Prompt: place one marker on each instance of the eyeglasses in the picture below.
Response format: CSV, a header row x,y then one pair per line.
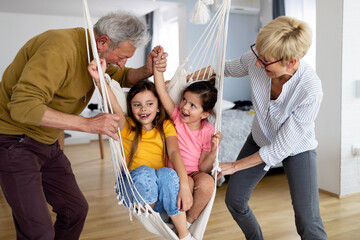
x,y
259,59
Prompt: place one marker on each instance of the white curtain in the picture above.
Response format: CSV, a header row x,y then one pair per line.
x,y
166,34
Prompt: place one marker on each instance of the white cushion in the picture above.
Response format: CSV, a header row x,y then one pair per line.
x,y
225,104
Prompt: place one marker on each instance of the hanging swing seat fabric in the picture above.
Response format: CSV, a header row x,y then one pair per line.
x,y
211,52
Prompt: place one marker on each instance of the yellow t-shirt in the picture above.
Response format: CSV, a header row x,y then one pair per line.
x,y
150,148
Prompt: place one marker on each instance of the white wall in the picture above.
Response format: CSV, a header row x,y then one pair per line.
x,y
350,107
338,124
16,29
328,67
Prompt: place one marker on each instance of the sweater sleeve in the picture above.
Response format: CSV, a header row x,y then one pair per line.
x,y
41,77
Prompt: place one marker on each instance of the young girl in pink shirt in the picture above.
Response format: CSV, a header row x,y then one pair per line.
x,y
197,141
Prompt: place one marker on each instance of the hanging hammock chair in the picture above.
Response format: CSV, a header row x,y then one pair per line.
x,y
209,51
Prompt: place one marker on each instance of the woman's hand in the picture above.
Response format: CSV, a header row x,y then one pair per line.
x,y
202,74
227,168
185,198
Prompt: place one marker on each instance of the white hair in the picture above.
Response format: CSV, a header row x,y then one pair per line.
x,y
123,27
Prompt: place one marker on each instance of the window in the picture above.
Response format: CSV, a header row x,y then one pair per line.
x,y
166,34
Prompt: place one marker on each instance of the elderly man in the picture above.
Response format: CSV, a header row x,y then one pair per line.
x,y
42,92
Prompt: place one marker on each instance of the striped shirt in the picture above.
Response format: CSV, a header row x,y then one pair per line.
x,y
285,126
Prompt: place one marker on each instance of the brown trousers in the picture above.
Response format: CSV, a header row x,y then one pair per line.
x,y
33,174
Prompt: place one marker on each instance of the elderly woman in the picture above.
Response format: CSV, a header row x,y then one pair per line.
x,y
286,94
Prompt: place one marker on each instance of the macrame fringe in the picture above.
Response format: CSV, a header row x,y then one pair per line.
x,y
201,14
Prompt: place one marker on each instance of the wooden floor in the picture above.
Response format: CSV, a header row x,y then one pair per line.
x,y
270,202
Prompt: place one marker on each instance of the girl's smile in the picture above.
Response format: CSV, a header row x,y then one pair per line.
x,y
144,107
191,110
184,115
144,116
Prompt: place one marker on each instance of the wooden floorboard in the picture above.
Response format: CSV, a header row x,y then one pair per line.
x,y
270,202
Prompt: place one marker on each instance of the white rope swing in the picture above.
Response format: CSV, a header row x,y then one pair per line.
x,y
211,52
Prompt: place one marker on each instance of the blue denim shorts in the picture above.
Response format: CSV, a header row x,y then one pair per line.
x,y
160,186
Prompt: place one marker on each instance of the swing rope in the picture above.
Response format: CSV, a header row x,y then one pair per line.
x,y
212,48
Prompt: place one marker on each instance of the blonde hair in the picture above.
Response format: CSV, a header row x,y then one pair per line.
x,y
284,38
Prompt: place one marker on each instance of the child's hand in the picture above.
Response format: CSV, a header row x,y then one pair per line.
x,y
215,140
185,198
159,58
158,52
153,61
93,70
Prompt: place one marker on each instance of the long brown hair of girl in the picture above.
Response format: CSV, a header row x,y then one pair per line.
x,y
144,85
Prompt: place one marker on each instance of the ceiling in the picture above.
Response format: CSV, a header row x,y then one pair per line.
x,y
97,8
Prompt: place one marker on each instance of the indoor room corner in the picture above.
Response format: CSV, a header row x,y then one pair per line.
x,y
333,55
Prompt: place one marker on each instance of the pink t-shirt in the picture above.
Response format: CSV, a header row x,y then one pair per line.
x,y
192,142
